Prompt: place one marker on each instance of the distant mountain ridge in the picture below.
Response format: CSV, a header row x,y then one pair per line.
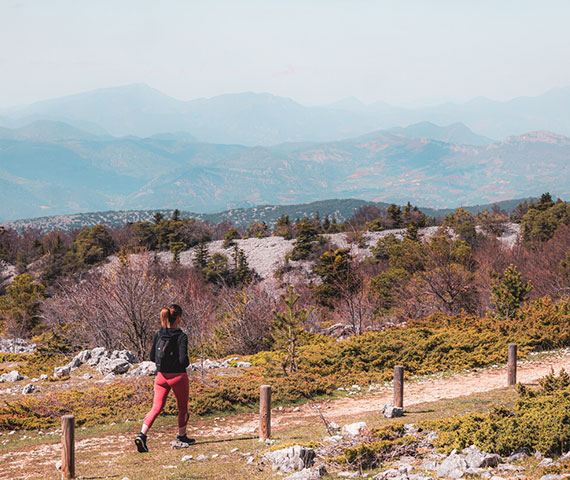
x,y
51,168
339,209
264,119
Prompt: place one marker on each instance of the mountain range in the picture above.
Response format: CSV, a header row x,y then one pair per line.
x,y
338,209
263,119
51,167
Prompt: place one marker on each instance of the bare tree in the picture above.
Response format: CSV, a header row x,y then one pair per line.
x,y
118,308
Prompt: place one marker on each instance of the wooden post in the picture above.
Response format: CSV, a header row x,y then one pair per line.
x,y
399,386
265,412
68,447
512,365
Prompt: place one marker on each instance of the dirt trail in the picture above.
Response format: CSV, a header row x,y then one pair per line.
x,y
420,390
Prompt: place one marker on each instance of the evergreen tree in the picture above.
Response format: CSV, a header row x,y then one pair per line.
x,y
176,248
306,234
286,328
395,214
20,307
229,237
201,256
510,293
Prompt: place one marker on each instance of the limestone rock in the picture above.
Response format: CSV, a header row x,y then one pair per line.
x,y
16,345
178,444
124,355
517,455
334,427
96,355
291,458
29,388
453,466
244,364
115,366
144,369
475,458
390,411
308,474
354,430
13,376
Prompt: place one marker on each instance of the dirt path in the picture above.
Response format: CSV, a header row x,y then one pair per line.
x,y
420,390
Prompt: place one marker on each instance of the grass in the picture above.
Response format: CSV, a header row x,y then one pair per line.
x,y
108,452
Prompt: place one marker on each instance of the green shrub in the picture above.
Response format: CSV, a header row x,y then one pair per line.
x,y
539,421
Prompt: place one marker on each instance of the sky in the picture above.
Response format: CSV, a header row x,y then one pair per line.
x,y
403,52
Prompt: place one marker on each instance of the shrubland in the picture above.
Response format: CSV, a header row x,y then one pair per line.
x,y
450,302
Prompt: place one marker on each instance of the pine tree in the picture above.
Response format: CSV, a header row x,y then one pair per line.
x,y
286,328
509,295
201,256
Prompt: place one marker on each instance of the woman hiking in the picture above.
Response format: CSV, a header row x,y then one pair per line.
x,y
170,353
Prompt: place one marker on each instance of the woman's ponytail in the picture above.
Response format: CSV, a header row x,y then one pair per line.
x,y
165,317
168,315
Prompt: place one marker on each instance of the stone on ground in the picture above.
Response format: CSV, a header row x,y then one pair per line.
x,y
354,430
291,458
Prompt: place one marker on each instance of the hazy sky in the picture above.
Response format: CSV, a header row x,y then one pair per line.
x,y
406,52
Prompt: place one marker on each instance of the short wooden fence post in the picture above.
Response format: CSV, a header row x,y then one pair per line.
x,y
399,386
512,364
265,412
68,447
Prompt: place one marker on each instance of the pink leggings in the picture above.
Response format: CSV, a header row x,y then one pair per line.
x,y
162,385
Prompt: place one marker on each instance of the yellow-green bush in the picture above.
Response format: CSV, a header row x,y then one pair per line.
x,y
539,421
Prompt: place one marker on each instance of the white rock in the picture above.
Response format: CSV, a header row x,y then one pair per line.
x,y
115,366
13,376
291,458
390,411
43,376
64,371
234,450
185,458
308,474
244,364
348,474
453,466
201,458
29,388
144,369
354,430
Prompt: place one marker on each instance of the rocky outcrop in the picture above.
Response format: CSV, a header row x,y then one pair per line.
x,y
16,345
144,369
390,411
354,430
115,362
13,376
290,459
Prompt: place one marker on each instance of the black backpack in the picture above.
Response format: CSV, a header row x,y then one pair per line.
x,y
165,353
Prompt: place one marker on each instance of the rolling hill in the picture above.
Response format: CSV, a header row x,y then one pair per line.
x,y
62,173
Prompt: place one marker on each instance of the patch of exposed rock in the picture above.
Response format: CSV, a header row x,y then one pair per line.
x,y
290,459
16,345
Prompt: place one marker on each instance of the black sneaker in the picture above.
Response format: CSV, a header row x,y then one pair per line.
x,y
140,442
185,439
